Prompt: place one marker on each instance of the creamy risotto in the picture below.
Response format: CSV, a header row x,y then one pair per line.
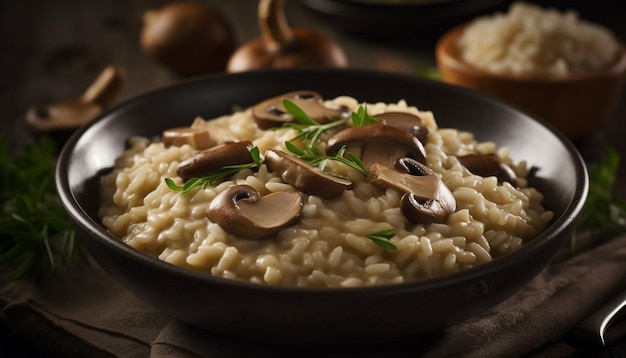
x,y
330,243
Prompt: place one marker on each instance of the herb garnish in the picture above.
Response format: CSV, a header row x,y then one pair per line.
x,y
603,214
361,118
218,175
34,227
381,239
310,134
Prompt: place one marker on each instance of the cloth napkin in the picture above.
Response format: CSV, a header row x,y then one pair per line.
x,y
84,313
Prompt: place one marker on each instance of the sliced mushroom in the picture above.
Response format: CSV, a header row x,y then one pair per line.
x,y
304,177
271,112
407,121
377,143
198,138
200,135
61,119
426,198
486,165
206,161
241,211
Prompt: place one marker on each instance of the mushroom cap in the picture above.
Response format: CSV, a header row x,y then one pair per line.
x,y
272,113
209,160
304,48
390,143
242,212
407,121
304,177
487,165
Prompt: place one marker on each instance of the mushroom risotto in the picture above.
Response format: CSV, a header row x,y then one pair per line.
x,y
302,191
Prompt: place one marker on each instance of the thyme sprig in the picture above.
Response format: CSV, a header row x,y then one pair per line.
x,y
361,118
310,131
35,230
310,135
218,175
382,238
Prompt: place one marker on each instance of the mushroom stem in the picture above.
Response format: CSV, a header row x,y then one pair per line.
x,y
274,27
106,86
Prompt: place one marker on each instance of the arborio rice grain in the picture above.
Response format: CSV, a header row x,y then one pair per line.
x,y
328,247
530,40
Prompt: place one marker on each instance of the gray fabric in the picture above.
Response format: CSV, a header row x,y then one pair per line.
x,y
86,314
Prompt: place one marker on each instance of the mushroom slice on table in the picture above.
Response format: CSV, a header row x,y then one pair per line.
x,y
304,177
209,160
377,143
407,121
200,135
486,165
241,211
426,198
271,112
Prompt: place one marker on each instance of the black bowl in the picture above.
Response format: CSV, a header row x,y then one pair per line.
x,y
372,314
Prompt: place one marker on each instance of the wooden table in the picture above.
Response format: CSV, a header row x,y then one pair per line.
x,y
53,50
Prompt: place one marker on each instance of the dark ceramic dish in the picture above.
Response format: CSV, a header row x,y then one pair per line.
x,y
320,315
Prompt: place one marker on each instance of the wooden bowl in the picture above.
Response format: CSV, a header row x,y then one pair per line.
x,y
576,104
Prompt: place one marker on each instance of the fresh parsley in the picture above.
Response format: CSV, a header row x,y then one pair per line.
x,y
35,231
218,175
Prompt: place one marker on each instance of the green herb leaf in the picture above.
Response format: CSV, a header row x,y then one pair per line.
x,y
297,113
429,73
382,238
35,231
361,118
603,214
311,133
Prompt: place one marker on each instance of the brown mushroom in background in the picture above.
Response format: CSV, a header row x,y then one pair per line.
x,y
486,165
209,160
426,198
281,46
377,143
61,119
241,211
304,177
407,121
189,38
272,113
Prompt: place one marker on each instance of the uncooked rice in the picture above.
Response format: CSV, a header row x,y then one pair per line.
x,y
328,247
530,40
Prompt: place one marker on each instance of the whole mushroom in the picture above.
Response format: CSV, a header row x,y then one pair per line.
x,y
281,46
189,38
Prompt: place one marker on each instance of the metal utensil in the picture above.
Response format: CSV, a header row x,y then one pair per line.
x,y
593,329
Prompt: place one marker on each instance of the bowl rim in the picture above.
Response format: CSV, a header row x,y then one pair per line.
x,y
448,55
81,218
